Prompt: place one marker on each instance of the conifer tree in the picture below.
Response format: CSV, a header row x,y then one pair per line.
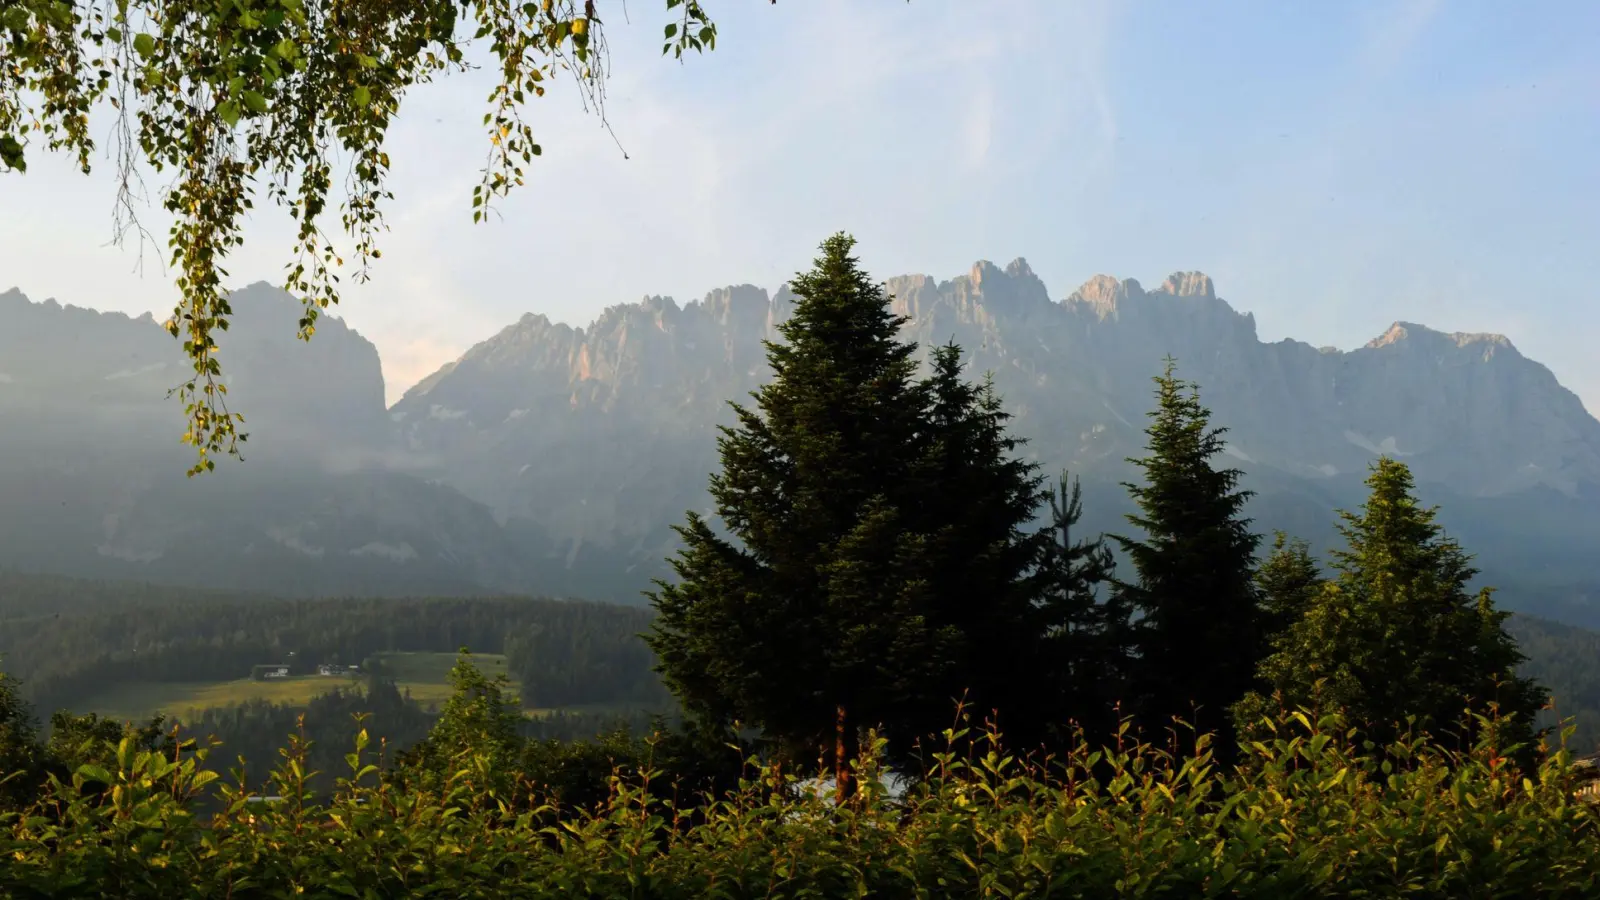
x,y
971,500
1087,636
813,625
1199,635
1289,581
1398,633
878,565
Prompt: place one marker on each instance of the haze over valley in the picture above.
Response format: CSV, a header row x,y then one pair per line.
x,y
553,459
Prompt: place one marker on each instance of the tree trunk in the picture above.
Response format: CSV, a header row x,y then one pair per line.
x,y
843,779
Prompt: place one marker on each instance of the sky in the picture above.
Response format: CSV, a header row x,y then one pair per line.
x,y
1334,167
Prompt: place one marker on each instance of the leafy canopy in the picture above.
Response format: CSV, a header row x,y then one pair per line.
x,y
480,722
20,752
240,98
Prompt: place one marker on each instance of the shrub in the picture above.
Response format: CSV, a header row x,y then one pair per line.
x,y
1310,811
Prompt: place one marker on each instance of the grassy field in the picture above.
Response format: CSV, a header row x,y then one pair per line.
x,y
424,675
427,675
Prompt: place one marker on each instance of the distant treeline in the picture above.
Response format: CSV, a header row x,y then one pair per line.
x,y
258,731
1566,659
563,653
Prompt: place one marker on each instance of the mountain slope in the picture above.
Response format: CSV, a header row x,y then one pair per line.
x,y
557,459
598,439
91,472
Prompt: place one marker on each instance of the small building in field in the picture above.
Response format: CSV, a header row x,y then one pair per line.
x,y
330,669
1587,770
270,671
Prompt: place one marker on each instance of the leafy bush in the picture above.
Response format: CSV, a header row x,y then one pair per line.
x,y
1310,812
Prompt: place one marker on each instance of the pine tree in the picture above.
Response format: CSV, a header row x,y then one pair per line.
x,y
1087,636
972,499
815,623
1289,581
1398,633
1200,635
878,567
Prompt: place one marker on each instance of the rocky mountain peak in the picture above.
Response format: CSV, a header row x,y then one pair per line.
x,y
663,307
1410,333
1104,295
1014,288
741,306
1188,284
1019,268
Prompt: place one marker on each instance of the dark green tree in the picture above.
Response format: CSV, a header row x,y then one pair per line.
x,y
1398,634
1087,636
814,624
21,756
879,567
1289,581
972,499
1200,634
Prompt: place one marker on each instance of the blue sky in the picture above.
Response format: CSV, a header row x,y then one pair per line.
x,y
1335,167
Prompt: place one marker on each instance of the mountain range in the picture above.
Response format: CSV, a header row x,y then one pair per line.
x,y
555,459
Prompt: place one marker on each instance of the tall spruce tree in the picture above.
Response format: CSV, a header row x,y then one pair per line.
x,y
1199,636
812,625
878,566
970,501
1397,633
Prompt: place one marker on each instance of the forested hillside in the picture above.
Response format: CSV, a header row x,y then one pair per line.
x,y
562,653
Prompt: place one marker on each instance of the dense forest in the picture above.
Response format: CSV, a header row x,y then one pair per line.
x,y
562,653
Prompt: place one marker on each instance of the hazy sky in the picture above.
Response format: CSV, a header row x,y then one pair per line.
x,y
1335,167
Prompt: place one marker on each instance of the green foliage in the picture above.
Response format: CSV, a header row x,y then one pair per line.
x,y
478,723
1289,581
880,565
1397,634
560,652
816,622
1201,630
1087,637
87,739
20,753
240,97
1311,812
689,765
1567,660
